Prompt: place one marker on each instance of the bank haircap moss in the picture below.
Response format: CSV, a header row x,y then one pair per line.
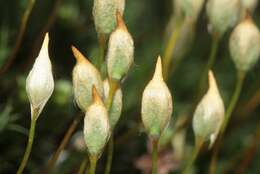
x,y
40,83
244,45
120,54
209,114
156,104
84,76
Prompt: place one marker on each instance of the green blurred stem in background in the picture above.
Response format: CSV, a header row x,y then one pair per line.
x,y
113,85
170,46
83,166
211,61
93,164
198,145
28,147
239,84
154,156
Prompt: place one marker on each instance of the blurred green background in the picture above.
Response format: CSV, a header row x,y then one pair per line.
x,y
70,23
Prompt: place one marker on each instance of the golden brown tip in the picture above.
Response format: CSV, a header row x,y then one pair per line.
x,y
158,69
120,21
78,55
95,95
212,81
248,16
45,41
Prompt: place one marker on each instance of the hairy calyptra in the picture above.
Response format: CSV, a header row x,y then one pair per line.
x,y
40,83
96,125
209,114
120,54
156,104
244,45
85,75
104,13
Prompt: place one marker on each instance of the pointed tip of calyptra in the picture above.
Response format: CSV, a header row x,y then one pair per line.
x,y
158,69
248,17
212,80
95,95
78,55
120,21
45,41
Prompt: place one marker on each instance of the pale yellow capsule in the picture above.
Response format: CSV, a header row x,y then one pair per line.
x,y
209,114
156,104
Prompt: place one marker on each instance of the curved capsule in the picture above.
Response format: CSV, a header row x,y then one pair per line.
x,y
85,75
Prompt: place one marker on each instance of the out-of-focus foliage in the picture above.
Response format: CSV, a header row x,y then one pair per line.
x,y
71,23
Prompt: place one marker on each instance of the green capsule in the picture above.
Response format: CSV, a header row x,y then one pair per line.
x,y
120,54
96,126
85,75
209,114
104,13
156,104
244,45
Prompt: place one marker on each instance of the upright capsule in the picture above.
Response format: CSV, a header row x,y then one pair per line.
x,y
244,45
96,125
40,83
120,54
156,104
209,114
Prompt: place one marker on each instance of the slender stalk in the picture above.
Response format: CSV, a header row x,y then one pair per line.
x,y
154,156
21,32
167,56
211,61
231,106
28,147
196,150
239,84
112,89
110,155
83,166
93,164
63,143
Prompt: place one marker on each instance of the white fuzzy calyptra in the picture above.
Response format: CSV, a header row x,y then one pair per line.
x,y
104,13
222,14
116,107
244,45
40,83
120,54
85,75
96,126
156,104
209,114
